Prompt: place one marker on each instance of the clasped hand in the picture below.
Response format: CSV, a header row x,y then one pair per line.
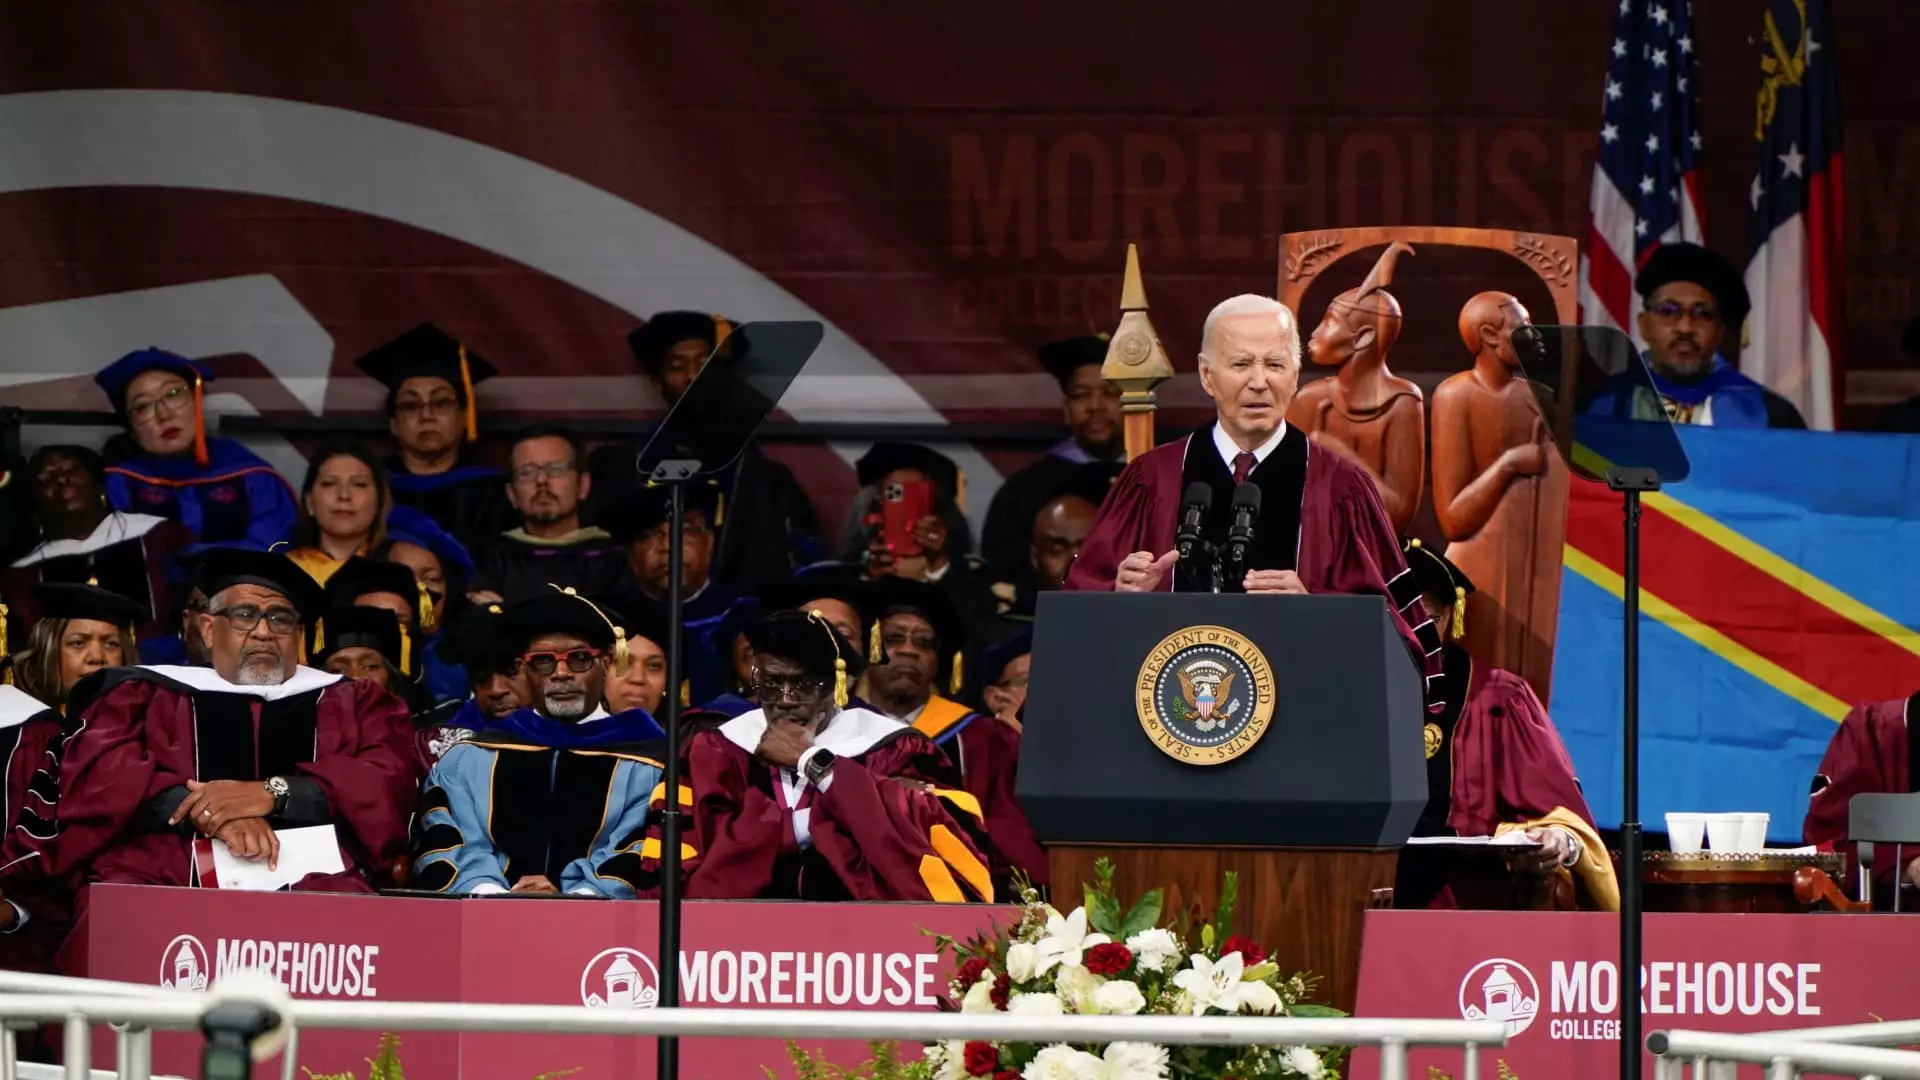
x,y
235,813
1143,571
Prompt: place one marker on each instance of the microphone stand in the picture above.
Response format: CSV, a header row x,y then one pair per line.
x,y
1631,482
674,475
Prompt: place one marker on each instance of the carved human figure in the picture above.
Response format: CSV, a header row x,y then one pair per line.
x,y
1365,412
1500,493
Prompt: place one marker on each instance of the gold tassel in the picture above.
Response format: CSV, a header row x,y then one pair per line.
x,y
319,638
954,681
1459,612
840,698
960,489
427,621
621,655
722,330
406,652
199,423
719,509
686,693
873,642
6,674
466,385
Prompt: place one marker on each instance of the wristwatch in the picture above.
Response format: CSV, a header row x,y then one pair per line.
x,y
278,787
818,763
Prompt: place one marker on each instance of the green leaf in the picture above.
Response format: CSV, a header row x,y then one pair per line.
x,y
1229,899
1143,915
1311,1011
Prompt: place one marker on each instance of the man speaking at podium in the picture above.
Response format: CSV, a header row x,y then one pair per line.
x,y
1318,524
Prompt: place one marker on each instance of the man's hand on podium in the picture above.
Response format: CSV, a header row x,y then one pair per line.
x,y
1142,572
1273,581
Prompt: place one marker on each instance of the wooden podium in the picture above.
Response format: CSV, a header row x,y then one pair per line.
x,y
1281,739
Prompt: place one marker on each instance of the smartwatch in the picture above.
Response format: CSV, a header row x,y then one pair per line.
x,y
818,763
278,787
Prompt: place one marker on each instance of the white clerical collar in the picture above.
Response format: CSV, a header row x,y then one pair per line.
x,y
17,706
115,528
1229,449
852,732
305,680
599,713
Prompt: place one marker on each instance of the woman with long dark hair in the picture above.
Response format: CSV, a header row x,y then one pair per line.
x,y
344,502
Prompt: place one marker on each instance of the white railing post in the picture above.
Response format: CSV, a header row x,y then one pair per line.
x,y
1393,1059
135,1061
1470,1063
9,1054
77,1047
1782,1068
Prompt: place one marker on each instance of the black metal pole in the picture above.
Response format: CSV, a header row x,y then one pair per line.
x,y
1630,1050
667,1060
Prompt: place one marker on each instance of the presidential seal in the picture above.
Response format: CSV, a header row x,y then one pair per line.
x,y
1205,695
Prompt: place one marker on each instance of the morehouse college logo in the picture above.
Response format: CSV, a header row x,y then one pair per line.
x,y
620,978
1205,695
183,965
1501,990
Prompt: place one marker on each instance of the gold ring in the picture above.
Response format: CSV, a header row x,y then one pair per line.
x,y
206,813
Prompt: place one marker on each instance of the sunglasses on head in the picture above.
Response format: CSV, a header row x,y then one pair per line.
x,y
546,663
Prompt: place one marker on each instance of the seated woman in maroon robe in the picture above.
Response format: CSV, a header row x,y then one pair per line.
x,y
806,799
233,752
1320,526
1869,753
1495,764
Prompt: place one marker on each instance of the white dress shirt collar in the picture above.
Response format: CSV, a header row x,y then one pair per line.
x,y
1229,449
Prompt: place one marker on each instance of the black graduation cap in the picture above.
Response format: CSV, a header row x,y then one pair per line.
x,y
823,581
658,335
219,568
634,515
426,351
886,457
744,612
1063,358
811,643
1691,262
1006,651
1438,577
894,595
479,640
639,617
564,611
361,576
68,600
117,376
1091,481
365,627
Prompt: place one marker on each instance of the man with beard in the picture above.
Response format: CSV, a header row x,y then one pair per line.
x,y
1091,406
546,486
1691,299
806,799
431,413
921,639
234,752
553,798
767,524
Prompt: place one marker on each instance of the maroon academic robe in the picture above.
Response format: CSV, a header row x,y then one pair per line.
x,y
29,739
146,730
1346,543
1869,753
130,554
869,836
987,754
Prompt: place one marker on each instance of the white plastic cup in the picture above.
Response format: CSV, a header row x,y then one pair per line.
x,y
1753,831
1685,833
1724,833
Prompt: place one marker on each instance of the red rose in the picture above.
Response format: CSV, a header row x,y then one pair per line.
x,y
1109,959
1250,954
970,973
982,1059
1002,989
1006,1074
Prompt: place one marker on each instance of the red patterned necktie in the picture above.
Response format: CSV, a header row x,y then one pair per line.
x,y
1243,466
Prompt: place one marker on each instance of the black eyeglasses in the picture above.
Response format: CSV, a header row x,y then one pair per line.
x,y
776,687
243,617
546,663
1699,313
415,406
894,639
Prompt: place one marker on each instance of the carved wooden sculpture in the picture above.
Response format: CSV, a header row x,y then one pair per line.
x,y
1365,412
1500,493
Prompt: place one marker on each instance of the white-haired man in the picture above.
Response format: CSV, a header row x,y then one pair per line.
x,y
1321,525
253,744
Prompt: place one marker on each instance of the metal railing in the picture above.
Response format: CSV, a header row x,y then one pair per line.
x,y
137,1011
1859,1050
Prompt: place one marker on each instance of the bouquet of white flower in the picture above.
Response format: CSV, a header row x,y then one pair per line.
x,y
1099,960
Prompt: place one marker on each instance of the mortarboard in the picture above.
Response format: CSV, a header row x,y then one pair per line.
x,y
640,618
894,595
1091,481
1006,651
634,515
117,376
658,335
564,611
426,351
744,611
364,627
1439,577
479,640
1063,358
218,569
811,643
1691,262
68,600
827,581
887,457
362,576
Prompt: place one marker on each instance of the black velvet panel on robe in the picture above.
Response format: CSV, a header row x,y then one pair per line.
x,y
547,807
230,745
1282,479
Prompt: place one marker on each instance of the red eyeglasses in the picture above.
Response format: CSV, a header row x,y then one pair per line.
x,y
546,663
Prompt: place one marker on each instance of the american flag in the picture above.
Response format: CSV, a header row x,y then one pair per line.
x,y
1646,188
1794,268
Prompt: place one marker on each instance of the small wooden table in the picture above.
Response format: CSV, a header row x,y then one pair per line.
x,y
1774,882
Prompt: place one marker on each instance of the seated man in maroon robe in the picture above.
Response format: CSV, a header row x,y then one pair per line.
x,y
1495,764
1321,526
806,799
1869,753
253,744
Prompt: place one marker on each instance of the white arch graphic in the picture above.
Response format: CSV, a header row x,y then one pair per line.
x,y
503,203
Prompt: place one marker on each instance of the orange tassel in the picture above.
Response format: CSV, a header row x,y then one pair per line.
x,y
466,386
199,424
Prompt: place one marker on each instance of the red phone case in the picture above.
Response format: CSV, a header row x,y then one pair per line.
x,y
901,508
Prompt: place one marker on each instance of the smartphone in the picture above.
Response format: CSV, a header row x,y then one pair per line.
x,y
902,505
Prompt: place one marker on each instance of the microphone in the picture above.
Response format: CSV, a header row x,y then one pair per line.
x,y
1246,510
1193,516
